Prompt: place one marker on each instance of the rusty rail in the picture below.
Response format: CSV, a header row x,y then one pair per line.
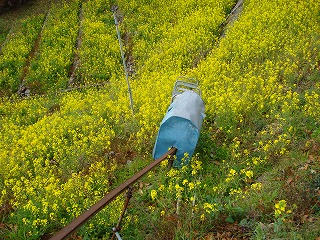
x,y
84,217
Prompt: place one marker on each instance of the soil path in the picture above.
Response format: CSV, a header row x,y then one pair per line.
x,y
233,16
23,90
76,61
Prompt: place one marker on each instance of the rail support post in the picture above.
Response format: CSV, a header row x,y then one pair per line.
x,y
117,229
170,161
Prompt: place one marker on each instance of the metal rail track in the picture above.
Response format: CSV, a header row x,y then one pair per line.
x,y
84,217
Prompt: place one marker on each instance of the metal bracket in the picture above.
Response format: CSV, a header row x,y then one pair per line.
x,y
115,232
185,83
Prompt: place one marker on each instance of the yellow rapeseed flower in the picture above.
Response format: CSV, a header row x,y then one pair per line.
x,y
153,194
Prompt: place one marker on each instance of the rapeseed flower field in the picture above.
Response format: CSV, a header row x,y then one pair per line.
x,y
255,171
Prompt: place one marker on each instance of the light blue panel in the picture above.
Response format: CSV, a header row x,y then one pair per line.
x,y
176,132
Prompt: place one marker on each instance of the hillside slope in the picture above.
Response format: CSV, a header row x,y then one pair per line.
x,y
255,173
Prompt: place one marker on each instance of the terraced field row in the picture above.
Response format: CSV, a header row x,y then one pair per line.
x,y
46,50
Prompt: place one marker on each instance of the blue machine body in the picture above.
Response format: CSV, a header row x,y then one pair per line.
x,y
181,127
